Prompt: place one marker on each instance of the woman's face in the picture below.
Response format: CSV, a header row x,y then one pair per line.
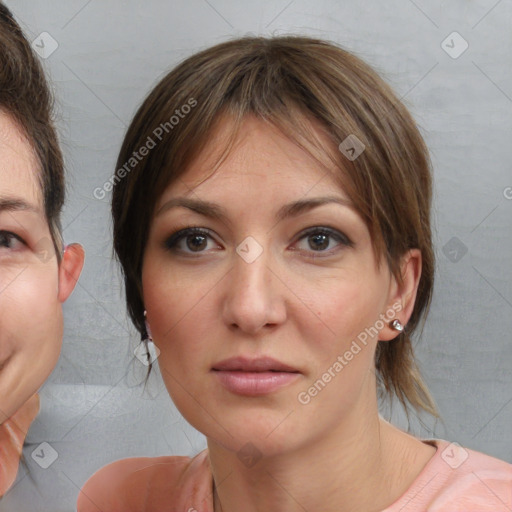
x,y
30,295
296,284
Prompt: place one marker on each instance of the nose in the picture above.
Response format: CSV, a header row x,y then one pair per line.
x,y
254,295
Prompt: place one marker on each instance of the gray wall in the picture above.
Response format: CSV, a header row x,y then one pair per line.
x,y
110,53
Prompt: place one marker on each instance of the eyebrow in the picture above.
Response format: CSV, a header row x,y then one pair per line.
x,y
215,211
13,204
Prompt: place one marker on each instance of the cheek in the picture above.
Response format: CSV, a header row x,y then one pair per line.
x,y
30,334
343,308
174,302
30,310
32,295
177,328
341,348
182,325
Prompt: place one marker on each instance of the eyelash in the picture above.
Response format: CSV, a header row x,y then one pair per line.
x,y
7,235
172,242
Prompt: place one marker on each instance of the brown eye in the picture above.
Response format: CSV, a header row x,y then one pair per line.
x,y
10,240
196,240
320,238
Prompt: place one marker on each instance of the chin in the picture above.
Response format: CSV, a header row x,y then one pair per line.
x,y
266,434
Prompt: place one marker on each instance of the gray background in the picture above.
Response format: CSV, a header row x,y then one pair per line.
x,y
110,53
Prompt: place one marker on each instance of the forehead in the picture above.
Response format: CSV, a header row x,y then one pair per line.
x,y
19,169
261,156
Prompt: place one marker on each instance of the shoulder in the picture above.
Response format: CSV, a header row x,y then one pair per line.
x,y
459,479
145,483
473,479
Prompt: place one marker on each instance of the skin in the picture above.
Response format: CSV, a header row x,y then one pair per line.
x,y
206,305
33,287
285,304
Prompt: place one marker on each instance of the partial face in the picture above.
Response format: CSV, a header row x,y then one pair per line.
x,y
298,285
30,313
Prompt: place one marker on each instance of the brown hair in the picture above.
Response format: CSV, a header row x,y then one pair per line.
x,y
25,96
301,85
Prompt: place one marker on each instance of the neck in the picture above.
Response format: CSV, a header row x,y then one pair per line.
x,y
359,466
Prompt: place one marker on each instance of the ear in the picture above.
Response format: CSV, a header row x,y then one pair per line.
x,y
402,297
69,269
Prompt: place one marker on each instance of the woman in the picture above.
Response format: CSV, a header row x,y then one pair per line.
x,y
36,273
272,218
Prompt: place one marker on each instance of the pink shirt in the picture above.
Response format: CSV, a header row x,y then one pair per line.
x,y
455,479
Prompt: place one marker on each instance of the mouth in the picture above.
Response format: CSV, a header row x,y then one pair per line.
x,y
254,377
258,365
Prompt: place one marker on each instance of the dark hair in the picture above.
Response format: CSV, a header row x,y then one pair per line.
x,y
26,97
301,85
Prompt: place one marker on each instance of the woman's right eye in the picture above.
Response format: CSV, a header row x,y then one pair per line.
x,y
196,240
10,241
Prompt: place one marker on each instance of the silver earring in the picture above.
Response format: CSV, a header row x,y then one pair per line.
x,y
396,325
147,336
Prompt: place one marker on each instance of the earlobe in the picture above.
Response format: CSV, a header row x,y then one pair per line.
x,y
69,270
403,293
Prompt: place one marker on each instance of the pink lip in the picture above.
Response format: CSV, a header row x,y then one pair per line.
x,y
259,364
254,377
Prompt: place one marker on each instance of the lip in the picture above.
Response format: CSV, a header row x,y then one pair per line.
x,y
253,377
259,364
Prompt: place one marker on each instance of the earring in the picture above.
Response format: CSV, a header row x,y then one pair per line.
x,y
396,325
147,335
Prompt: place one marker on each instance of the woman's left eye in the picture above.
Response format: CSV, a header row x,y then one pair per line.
x,y
319,239
10,240
196,240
